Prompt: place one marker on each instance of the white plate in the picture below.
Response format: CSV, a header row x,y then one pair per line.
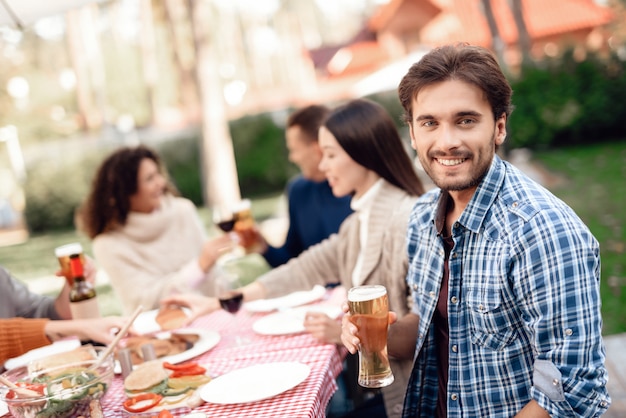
x,y
208,339
254,383
289,301
41,352
291,321
146,322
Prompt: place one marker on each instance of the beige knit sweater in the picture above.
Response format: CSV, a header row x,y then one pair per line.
x,y
154,255
385,262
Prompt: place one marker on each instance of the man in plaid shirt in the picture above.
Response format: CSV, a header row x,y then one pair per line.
x,y
505,277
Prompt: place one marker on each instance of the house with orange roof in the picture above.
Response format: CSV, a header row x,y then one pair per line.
x,y
401,27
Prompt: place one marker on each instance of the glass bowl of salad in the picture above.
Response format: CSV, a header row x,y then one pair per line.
x,y
61,385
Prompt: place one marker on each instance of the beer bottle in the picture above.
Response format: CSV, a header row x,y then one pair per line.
x,y
83,299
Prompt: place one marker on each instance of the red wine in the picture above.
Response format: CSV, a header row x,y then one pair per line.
x,y
226,226
231,301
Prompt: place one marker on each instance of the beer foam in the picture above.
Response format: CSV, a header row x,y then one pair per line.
x,y
68,249
363,293
242,205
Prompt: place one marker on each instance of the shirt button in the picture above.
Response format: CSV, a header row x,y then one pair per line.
x,y
569,332
431,293
453,255
555,382
514,204
454,299
415,286
456,224
453,397
481,307
454,348
603,404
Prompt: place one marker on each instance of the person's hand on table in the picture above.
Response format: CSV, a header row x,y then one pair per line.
x,y
350,332
322,327
199,305
102,330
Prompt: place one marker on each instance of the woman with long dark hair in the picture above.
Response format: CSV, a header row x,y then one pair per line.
x,y
363,156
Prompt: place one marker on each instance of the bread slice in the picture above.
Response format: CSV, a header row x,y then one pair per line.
x,y
171,317
144,376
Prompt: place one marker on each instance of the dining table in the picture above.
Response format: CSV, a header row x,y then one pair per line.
x,y
240,346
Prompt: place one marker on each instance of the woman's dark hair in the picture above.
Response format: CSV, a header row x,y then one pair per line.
x,y
108,203
367,133
471,64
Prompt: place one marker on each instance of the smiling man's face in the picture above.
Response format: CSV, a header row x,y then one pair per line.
x,y
454,133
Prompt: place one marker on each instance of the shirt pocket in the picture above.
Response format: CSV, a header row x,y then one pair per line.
x,y
490,318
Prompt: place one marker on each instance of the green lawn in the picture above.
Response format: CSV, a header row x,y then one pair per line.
x,y
595,187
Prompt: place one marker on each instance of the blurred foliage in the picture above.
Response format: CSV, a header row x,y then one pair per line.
x,y
564,101
182,159
54,191
261,155
593,185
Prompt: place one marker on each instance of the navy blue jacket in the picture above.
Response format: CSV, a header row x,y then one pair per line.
x,y
314,214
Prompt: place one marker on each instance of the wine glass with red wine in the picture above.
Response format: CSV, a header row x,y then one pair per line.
x,y
230,296
223,218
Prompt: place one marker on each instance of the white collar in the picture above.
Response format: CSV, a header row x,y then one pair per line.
x,y
366,200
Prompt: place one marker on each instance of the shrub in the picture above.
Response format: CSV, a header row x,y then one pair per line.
x,y
54,192
261,155
565,102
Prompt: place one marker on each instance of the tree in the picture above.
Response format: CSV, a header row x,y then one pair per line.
x,y
497,44
523,38
219,176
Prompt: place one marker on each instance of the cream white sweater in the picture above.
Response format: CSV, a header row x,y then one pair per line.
x,y
154,255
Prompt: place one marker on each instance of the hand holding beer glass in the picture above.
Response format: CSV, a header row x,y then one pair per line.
x,y
245,227
369,312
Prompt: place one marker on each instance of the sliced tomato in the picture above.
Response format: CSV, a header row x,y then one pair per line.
x,y
183,366
143,402
165,414
192,371
37,387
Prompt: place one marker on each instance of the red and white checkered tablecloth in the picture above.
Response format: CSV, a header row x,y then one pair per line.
x,y
241,347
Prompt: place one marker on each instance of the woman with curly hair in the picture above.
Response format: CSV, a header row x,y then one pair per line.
x,y
149,241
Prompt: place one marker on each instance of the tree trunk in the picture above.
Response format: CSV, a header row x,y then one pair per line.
x,y
219,171
497,44
89,113
148,55
177,14
523,38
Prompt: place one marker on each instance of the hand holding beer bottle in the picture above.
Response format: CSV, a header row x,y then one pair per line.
x,y
83,299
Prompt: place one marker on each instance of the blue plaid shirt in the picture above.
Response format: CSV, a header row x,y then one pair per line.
x,y
523,307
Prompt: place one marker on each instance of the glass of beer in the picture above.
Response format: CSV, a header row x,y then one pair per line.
x,y
63,254
245,226
369,310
